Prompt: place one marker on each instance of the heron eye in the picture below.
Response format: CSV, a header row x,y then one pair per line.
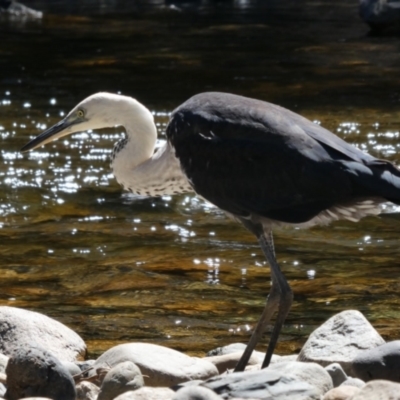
x,y
80,113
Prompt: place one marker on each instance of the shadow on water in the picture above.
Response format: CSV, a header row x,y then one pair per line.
x,y
176,271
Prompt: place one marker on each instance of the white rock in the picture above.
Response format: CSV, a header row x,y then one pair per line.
x,y
19,328
148,393
159,365
3,363
341,393
87,391
229,361
378,390
276,359
340,339
350,381
240,347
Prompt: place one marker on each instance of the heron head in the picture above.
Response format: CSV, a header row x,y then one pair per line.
x,y
95,112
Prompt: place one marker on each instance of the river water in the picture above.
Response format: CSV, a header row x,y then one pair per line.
x,y
176,271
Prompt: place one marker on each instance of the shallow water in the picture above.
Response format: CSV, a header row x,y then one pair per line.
x,y
176,271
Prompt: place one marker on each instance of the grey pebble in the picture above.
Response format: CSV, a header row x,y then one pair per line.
x,y
87,391
353,382
85,365
71,367
196,393
121,378
337,374
36,372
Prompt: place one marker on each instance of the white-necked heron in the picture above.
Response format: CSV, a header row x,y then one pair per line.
x,y
262,164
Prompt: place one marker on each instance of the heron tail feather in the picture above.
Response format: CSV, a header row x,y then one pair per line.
x,y
379,178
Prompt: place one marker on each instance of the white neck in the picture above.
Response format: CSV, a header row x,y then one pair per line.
x,y
137,168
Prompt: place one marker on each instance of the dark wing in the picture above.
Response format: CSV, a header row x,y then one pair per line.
x,y
251,157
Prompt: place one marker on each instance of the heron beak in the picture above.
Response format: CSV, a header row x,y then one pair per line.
x,y
57,131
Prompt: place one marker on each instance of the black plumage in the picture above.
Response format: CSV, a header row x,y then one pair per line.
x,y
268,166
251,157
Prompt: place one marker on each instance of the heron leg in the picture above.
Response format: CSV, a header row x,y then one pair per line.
x,y
283,292
280,298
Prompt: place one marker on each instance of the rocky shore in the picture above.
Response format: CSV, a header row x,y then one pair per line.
x,y
345,358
